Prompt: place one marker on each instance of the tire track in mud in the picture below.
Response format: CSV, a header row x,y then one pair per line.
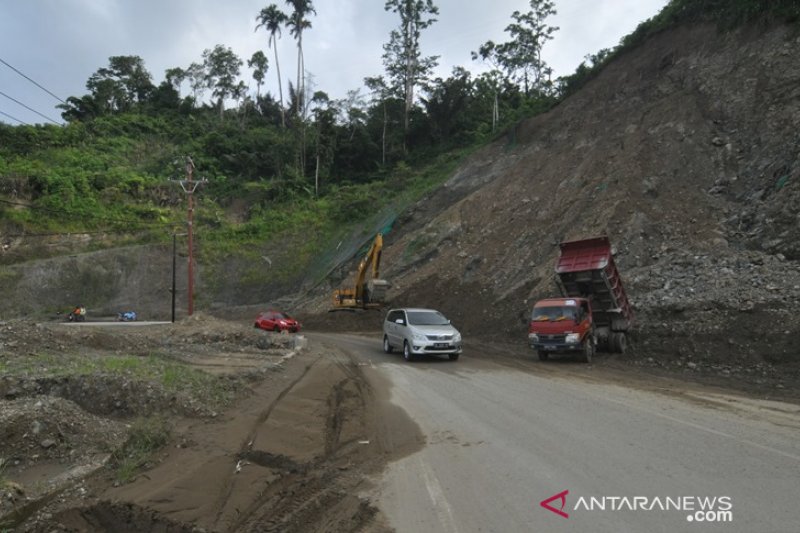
x,y
294,456
318,495
228,488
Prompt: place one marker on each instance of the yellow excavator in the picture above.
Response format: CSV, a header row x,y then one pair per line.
x,y
369,292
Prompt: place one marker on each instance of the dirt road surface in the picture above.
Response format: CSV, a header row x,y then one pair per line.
x,y
339,436
291,457
503,436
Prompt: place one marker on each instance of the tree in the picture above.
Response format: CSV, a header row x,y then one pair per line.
x,y
488,85
121,85
174,77
589,67
196,75
80,109
402,58
325,113
259,63
297,24
222,69
448,106
380,93
521,57
271,18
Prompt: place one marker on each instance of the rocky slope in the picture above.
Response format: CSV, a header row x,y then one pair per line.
x,y
685,153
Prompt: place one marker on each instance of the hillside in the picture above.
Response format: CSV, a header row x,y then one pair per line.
x,y
682,148
685,152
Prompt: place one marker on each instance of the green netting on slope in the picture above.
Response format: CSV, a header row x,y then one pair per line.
x,y
348,243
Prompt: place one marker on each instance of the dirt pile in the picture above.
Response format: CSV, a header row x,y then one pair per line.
x,y
685,153
261,434
54,428
291,456
70,395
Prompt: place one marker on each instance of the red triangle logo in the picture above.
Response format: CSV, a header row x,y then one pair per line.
x,y
560,496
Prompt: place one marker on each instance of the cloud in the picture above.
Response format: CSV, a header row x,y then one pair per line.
x,y
60,43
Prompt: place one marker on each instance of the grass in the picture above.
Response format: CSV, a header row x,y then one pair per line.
x,y
175,377
146,436
300,235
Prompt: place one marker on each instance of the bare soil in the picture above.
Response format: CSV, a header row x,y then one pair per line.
x,y
684,152
291,451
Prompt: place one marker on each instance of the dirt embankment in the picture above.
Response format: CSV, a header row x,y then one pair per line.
x,y
684,152
261,432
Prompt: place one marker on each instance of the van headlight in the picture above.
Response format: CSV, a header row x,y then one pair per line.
x,y
573,338
457,337
418,336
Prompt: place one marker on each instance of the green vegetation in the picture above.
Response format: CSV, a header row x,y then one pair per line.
x,y
295,173
146,436
176,378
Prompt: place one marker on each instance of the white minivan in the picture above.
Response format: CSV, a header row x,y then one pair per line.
x,y
420,331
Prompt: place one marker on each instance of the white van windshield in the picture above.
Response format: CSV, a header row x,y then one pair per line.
x,y
426,318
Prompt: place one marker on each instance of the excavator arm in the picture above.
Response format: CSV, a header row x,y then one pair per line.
x,y
370,262
369,290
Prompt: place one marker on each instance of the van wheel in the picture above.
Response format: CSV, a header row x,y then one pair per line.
x,y
407,351
454,356
386,346
543,356
588,350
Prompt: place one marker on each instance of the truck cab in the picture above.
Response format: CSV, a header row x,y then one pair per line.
x,y
560,325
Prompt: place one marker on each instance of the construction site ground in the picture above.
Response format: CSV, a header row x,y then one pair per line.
x,y
262,431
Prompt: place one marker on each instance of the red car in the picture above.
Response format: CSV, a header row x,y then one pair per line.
x,y
277,321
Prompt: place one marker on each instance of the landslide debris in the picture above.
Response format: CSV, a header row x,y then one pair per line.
x,y
685,151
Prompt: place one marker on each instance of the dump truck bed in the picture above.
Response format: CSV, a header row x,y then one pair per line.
x,y
586,269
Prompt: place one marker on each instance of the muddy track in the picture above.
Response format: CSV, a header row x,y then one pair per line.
x,y
247,444
317,494
293,456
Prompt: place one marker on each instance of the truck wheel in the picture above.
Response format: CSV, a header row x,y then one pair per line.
x,y
386,346
407,351
588,350
619,341
543,356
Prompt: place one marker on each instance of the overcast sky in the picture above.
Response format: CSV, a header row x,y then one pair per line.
x,y
60,43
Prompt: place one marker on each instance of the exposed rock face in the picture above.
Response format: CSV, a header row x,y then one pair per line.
x,y
684,151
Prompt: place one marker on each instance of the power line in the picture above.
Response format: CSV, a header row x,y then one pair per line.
x,y
30,80
14,118
29,108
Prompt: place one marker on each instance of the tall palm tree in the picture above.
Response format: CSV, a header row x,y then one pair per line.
x,y
297,23
272,18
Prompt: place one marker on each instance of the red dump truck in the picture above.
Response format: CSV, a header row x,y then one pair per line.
x,y
593,313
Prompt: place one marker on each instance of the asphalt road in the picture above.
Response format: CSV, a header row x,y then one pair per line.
x,y
503,437
112,323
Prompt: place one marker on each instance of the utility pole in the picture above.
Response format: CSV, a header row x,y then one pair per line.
x,y
174,290
174,250
189,187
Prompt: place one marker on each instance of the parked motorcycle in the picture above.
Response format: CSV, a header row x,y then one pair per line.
x,y
127,316
77,315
